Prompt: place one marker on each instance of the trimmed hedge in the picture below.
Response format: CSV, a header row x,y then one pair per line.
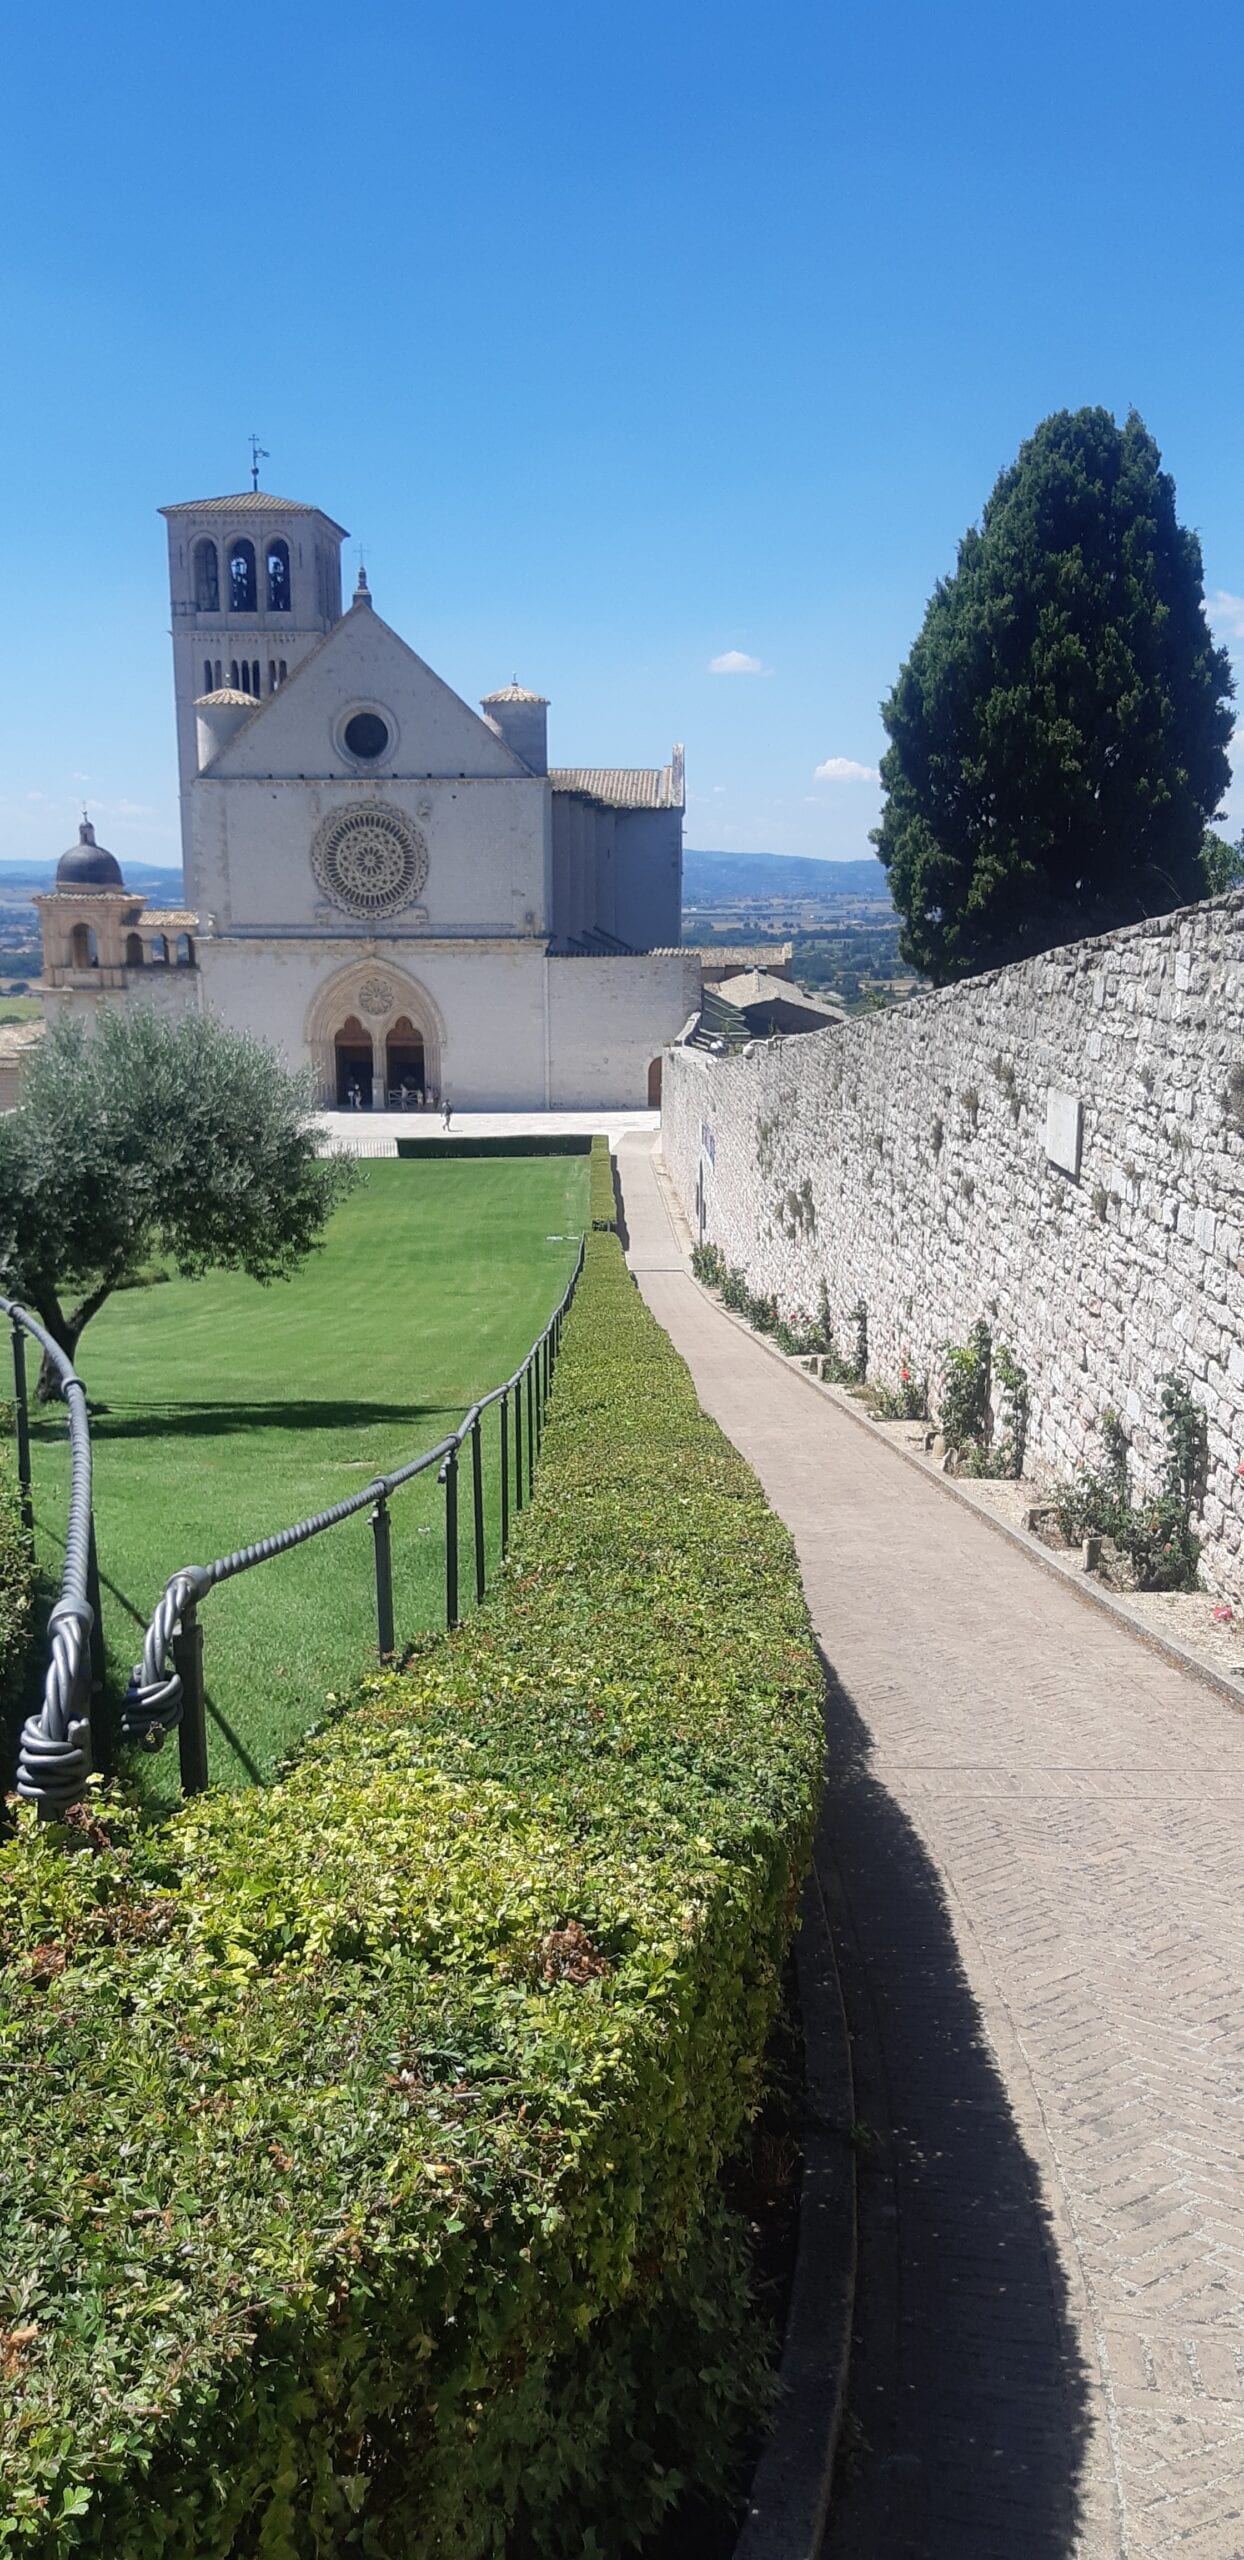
x,y
604,1199
532,1142
359,2135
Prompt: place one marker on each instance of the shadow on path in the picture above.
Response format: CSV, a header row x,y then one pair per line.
x,y
969,2406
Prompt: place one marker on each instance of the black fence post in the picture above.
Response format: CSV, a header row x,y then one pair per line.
x,y
451,1539
187,1651
477,1499
384,1579
505,1469
518,1444
22,1410
531,1428
102,1752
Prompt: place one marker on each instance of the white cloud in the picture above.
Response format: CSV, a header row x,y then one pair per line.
x,y
844,769
1226,612
735,662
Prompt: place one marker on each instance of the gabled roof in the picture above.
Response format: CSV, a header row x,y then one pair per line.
x,y
620,787
249,502
478,748
756,987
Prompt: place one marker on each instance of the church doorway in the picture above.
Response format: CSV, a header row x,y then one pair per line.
x,y
654,1085
354,1066
405,1077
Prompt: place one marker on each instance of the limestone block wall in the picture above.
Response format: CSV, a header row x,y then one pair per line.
x,y
917,1161
610,1019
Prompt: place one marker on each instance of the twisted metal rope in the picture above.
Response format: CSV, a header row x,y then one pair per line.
x,y
153,1700
54,1756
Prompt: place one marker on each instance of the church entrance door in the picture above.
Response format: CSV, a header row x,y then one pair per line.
x,y
354,1067
405,1075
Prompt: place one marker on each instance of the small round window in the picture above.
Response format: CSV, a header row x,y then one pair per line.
x,y
366,735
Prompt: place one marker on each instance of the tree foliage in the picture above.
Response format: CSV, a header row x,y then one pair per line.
x,y
148,1137
1058,735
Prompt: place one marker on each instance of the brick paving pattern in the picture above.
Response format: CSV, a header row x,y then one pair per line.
x,y
1035,1852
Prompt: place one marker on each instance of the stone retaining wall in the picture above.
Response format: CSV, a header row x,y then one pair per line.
x,y
925,1161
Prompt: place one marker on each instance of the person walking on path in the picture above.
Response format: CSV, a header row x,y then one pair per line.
x,y
448,1112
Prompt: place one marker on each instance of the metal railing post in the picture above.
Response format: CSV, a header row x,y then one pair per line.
x,y
531,1430
505,1470
101,1731
518,1443
477,1499
187,1653
384,1579
451,1539
21,1408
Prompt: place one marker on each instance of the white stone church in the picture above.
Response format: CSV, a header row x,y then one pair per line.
x,y
378,879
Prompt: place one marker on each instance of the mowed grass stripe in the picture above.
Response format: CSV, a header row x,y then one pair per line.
x,y
233,1410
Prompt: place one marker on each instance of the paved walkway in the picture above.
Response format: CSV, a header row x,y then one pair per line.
x,y
1036,1853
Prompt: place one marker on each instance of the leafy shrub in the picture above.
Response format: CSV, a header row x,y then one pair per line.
x,y
1156,1536
908,1401
985,1443
859,1365
360,2134
964,1415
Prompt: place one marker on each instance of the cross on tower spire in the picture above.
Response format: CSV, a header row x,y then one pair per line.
x,y
258,455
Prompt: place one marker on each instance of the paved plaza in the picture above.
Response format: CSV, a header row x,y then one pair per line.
x,y
1035,1858
376,1132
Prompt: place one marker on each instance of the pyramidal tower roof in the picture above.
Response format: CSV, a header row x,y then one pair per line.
x,y
247,502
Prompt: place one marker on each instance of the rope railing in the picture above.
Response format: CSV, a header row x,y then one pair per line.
x,y
166,1692
56,1753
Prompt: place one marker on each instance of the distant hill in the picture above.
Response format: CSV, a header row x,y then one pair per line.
x,y
711,876
16,877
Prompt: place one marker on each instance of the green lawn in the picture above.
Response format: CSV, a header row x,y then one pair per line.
x,y
20,1009
230,1411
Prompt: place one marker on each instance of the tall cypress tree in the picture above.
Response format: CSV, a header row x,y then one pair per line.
x,y
1058,735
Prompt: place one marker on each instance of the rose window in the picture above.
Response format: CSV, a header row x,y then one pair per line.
x,y
369,861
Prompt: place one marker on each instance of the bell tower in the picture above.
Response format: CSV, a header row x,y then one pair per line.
x,y
254,583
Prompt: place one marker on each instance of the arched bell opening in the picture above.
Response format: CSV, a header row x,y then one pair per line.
x,y
83,947
355,1065
134,954
405,1067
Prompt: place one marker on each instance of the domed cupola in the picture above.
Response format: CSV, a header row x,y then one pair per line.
x,y
218,718
522,720
88,865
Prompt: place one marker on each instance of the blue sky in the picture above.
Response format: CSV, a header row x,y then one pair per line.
x,y
631,343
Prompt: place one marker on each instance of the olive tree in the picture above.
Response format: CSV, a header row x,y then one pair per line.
x,y
148,1137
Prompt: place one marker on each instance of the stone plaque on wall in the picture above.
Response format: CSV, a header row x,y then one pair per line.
x,y
1064,1130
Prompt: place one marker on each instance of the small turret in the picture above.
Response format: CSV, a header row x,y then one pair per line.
x,y
218,717
522,720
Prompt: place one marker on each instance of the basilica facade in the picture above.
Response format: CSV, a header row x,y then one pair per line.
x,y
379,880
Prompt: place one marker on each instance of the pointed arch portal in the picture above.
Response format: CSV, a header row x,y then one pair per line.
x,y
376,1039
